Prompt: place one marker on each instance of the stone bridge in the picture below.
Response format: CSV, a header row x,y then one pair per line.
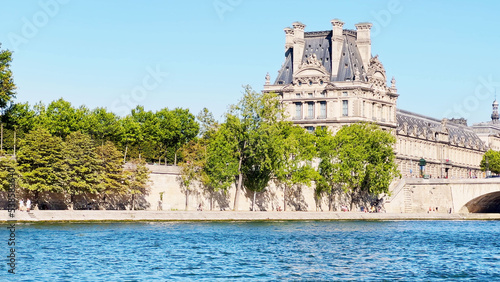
x,y
413,195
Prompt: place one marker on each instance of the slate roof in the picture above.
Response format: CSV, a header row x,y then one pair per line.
x,y
426,127
319,43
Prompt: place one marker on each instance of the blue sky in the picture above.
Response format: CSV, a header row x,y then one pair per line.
x,y
194,54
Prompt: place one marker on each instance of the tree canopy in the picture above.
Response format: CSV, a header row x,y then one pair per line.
x,y
359,159
7,86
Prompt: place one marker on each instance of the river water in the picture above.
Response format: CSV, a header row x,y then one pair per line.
x,y
256,251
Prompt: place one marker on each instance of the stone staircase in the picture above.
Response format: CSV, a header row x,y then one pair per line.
x,y
395,188
407,199
31,215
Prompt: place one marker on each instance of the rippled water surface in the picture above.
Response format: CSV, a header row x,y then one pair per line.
x,y
314,250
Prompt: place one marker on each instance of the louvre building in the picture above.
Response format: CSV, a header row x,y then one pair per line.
x,y
330,79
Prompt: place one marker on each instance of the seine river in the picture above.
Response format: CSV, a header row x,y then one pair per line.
x,y
257,251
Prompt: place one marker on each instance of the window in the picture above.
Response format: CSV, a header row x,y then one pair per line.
x,y
322,109
310,110
310,129
344,93
323,94
298,110
309,95
345,108
297,95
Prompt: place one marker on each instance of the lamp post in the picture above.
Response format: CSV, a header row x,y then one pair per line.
x,y
422,164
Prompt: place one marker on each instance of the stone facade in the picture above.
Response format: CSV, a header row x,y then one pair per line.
x,y
330,79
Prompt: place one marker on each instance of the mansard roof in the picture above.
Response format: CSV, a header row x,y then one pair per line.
x,y
424,127
319,43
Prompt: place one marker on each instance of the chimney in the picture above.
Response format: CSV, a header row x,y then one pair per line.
x,y
289,38
337,42
364,43
298,44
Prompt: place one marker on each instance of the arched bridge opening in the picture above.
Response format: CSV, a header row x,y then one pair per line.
x,y
488,203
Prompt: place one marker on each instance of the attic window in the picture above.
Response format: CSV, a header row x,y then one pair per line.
x,y
345,65
310,82
319,45
280,82
343,54
309,46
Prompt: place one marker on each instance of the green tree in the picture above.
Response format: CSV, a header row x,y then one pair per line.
x,y
7,86
7,167
194,159
131,136
252,127
102,125
136,180
147,137
207,122
82,175
296,152
491,161
362,160
222,163
60,118
41,162
326,182
111,176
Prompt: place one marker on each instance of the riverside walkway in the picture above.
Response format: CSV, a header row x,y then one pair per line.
x,y
100,215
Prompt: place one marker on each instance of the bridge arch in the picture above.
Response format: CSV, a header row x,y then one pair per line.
x,y
487,203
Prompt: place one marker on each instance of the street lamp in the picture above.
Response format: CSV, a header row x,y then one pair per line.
x,y
422,164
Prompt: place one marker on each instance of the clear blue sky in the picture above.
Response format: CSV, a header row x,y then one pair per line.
x,y
444,54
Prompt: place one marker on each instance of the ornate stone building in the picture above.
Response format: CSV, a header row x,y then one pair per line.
x,y
330,79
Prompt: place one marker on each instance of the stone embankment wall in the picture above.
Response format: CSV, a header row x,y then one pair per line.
x,y
166,187
167,194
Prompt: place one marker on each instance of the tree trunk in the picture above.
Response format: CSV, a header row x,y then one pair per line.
x,y
238,187
15,142
133,201
72,202
125,155
212,200
187,199
175,159
330,201
1,137
284,198
352,201
253,202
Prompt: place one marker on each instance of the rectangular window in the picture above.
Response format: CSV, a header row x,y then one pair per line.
x,y
322,109
344,93
323,94
297,95
310,110
345,108
309,95
310,129
298,110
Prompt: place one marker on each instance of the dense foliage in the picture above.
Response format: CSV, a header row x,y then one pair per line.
x,y
491,161
256,145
